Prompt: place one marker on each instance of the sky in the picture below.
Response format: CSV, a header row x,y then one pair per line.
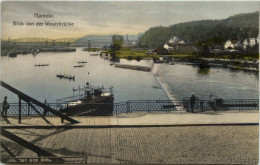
x,y
109,17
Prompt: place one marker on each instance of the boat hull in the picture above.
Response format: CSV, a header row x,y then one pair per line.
x,y
100,107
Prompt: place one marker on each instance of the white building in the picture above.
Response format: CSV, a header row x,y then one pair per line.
x,y
168,46
174,40
250,42
181,42
232,45
245,44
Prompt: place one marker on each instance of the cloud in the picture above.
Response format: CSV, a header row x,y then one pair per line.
x,y
92,17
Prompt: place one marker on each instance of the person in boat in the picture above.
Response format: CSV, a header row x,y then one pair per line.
x,y
5,107
192,102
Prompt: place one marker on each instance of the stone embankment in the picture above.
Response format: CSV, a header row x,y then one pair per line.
x,y
236,64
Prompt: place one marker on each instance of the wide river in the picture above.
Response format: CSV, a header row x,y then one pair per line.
x,y
41,82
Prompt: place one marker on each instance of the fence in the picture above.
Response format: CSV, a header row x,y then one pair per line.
x,y
148,106
44,160
222,105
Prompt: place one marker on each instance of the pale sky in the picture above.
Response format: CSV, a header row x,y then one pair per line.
x,y
110,17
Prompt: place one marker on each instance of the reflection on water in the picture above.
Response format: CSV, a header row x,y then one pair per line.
x,y
42,83
203,71
223,82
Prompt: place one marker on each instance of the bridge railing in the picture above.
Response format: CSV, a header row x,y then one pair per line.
x,y
148,106
222,105
44,160
27,110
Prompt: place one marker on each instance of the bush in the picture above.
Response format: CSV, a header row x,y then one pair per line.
x,y
138,58
130,57
155,59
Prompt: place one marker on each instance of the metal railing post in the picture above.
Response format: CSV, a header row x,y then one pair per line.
x,y
115,108
20,112
148,106
240,108
28,109
201,106
128,107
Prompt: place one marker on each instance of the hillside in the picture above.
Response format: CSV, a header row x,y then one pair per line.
x,y
238,26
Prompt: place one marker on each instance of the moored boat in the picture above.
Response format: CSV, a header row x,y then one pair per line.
x,y
90,101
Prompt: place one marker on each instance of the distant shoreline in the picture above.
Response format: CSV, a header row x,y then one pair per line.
x,y
232,64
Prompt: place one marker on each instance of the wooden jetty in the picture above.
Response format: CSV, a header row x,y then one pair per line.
x,y
135,67
57,50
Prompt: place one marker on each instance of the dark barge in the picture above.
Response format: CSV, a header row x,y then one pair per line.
x,y
90,101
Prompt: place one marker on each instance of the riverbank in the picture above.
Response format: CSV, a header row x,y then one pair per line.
x,y
233,64
250,65
138,55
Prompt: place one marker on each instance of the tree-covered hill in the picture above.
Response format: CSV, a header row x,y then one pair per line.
x,y
235,27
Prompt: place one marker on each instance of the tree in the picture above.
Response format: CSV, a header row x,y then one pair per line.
x,y
117,42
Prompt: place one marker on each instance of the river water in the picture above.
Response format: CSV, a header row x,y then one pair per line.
x,y
41,82
226,83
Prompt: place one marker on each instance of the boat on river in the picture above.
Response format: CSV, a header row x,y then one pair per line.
x,y
41,65
90,101
64,76
94,54
82,62
78,66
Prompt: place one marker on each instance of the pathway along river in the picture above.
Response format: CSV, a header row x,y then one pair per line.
x,y
42,83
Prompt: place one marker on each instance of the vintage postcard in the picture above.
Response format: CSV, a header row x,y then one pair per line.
x,y
168,82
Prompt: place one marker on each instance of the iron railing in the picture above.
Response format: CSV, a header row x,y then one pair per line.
x,y
44,160
222,105
133,106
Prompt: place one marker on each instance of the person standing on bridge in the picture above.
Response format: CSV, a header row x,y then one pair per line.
x,y
45,110
192,102
5,107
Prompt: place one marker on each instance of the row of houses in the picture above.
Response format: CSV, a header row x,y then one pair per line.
x,y
245,44
177,44
235,45
174,44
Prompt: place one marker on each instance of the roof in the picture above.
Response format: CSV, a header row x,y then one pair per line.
x,y
170,44
234,41
160,48
185,44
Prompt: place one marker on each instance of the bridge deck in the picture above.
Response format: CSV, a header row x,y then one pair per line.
x,y
181,145
196,144
55,121
170,118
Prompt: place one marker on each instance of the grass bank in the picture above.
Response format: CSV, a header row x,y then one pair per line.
x,y
134,54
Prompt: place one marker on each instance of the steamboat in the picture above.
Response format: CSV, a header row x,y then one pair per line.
x,y
89,101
